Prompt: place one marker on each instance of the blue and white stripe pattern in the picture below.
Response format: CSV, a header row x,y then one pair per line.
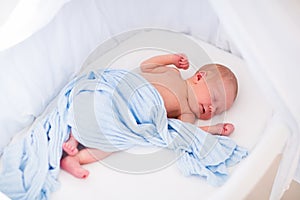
x,y
111,110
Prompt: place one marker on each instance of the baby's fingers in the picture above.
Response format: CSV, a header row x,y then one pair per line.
x,y
183,61
183,57
184,66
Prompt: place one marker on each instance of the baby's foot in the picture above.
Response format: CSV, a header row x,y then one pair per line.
x,y
224,129
70,148
71,164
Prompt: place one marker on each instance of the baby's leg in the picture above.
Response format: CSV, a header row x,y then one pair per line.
x,y
219,129
90,155
70,146
72,164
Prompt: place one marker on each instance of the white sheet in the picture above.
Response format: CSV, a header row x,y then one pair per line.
x,y
167,182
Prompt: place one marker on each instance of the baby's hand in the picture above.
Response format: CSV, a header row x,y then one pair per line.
x,y
181,61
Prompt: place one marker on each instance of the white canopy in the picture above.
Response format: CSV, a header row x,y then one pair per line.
x,y
267,36
265,33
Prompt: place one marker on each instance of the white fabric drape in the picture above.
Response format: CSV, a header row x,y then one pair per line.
x,y
28,17
195,17
267,35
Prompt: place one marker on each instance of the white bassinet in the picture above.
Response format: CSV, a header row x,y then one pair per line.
x,y
57,40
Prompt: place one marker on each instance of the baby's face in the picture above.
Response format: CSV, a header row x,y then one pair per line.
x,y
213,99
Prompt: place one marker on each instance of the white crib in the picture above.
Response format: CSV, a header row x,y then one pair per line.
x,y
68,37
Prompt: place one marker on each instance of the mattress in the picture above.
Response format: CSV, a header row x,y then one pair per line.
x,y
250,114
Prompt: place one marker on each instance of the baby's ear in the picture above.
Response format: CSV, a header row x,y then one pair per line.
x,y
199,75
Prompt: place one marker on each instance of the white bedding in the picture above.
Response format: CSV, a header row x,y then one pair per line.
x,y
250,114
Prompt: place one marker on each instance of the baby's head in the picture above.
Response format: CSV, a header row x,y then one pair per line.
x,y
214,88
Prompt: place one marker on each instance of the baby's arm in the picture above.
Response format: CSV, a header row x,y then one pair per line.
x,y
224,129
158,63
219,129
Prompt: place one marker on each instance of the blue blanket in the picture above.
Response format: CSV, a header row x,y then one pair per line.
x,y
111,110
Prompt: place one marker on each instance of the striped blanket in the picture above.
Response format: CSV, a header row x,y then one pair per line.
x,y
111,110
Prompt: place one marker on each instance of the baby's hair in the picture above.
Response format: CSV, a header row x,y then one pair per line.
x,y
215,71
